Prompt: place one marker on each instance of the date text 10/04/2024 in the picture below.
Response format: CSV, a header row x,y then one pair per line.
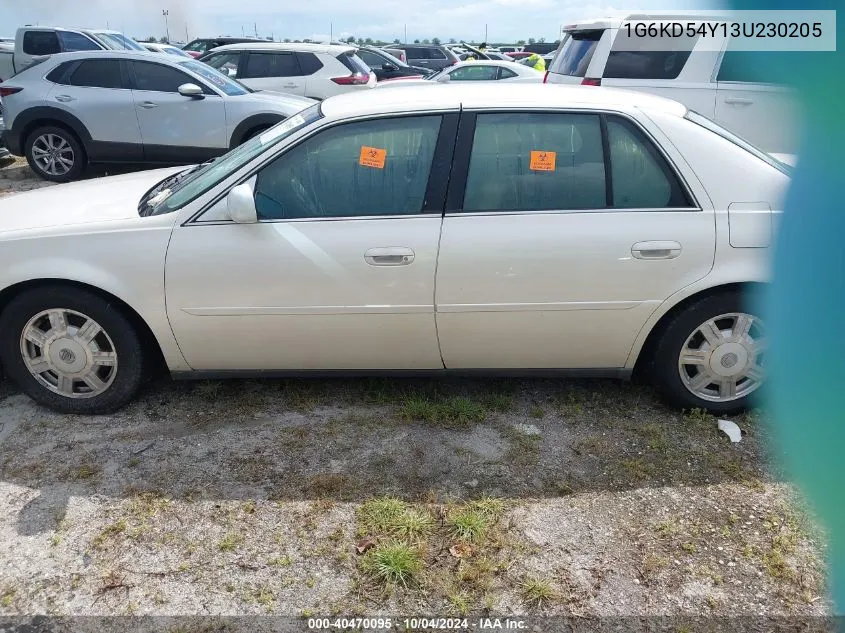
x,y
421,623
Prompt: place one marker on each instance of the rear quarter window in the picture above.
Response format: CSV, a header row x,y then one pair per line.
x,y
576,53
651,64
308,63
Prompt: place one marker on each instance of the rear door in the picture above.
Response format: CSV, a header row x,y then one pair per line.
x,y
97,92
751,104
176,128
277,71
554,251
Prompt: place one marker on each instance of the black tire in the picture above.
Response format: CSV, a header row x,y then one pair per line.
x,y
665,371
79,158
131,358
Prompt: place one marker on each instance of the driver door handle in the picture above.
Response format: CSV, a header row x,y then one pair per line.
x,y
148,105
65,98
389,256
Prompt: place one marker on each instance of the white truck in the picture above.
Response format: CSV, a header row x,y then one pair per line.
x,y
34,42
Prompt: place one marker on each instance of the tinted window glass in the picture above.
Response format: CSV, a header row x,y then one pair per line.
x,y
271,65
159,78
76,42
58,74
506,73
371,59
354,63
527,162
199,46
97,73
641,178
575,54
413,52
308,63
753,66
41,43
474,72
370,168
666,64
226,63
436,53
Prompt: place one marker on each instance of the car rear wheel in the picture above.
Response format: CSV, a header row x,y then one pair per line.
x,y
71,350
55,154
712,355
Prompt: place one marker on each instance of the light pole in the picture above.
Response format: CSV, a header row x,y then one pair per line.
x,y
165,13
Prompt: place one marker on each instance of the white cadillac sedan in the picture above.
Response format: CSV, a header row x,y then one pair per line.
x,y
444,229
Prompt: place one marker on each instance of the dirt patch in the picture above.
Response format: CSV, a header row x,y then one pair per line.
x,y
250,497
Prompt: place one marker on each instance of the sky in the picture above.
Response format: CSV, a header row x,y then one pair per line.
x,y
505,20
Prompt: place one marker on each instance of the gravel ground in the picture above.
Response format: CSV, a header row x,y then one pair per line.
x,y
353,497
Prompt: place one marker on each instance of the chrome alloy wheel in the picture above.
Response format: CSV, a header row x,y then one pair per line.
x,y
722,360
53,154
69,353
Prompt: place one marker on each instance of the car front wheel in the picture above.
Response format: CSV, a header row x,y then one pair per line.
x,y
71,350
55,154
712,355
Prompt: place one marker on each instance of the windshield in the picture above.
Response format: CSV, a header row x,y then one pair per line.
x,y
228,85
576,52
118,41
207,176
736,140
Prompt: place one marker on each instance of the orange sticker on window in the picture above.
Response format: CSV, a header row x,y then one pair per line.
x,y
542,161
372,157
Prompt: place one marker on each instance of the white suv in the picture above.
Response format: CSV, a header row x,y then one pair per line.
x,y
735,88
318,71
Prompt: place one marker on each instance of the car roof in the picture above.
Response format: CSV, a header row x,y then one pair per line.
x,y
119,53
287,46
70,29
456,96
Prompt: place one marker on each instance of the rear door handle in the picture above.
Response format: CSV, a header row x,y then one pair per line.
x,y
148,105
389,256
657,249
739,100
290,85
65,98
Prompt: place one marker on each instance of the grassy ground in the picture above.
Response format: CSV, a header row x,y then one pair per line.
x,y
398,497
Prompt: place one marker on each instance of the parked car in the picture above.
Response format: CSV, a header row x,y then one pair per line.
x,y
510,49
518,55
110,106
165,49
7,63
481,71
541,48
198,47
386,66
317,71
514,252
36,42
427,56
737,89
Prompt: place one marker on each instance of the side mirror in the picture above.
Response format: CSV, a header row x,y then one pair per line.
x,y
388,67
190,90
240,203
445,78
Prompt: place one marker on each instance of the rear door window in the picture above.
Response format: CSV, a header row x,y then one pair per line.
x,y
97,73
525,161
575,54
41,43
281,64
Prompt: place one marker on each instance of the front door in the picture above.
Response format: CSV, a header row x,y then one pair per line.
x,y
547,260
176,128
339,271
